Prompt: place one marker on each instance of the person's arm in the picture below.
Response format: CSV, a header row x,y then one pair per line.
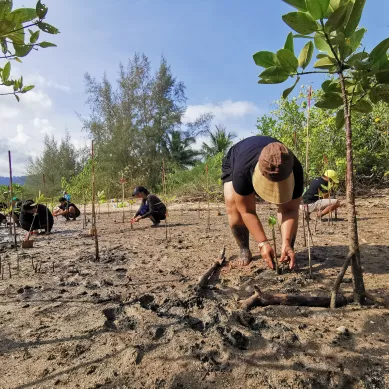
x,y
288,215
246,207
151,200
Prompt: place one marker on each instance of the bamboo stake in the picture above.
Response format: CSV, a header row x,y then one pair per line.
x,y
47,209
13,225
94,228
165,195
9,270
122,181
306,212
207,188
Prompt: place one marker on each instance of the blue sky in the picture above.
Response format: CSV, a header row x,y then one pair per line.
x,y
209,45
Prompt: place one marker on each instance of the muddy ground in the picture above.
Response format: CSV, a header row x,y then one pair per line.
x,y
134,319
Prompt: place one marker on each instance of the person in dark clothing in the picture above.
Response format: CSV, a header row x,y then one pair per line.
x,y
34,217
151,207
316,198
264,166
67,209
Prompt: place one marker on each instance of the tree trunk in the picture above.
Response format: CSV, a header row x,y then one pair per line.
x,y
354,253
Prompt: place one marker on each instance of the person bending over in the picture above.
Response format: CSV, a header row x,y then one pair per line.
x,y
151,207
67,209
264,166
34,217
316,198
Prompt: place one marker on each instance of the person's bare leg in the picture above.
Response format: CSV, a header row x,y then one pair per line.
x,y
329,208
238,228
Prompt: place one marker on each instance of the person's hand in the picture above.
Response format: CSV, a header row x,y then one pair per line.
x,y
267,254
288,255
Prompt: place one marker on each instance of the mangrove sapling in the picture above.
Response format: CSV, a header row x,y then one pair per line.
x,y
94,227
272,223
13,225
122,182
360,80
207,191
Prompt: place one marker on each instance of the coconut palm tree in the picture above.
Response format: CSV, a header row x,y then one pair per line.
x,y
220,142
178,147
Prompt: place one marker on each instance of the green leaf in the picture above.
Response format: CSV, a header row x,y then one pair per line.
x,y
266,59
379,50
287,61
34,36
338,17
24,14
355,17
288,91
6,71
300,22
306,55
363,106
383,92
273,75
334,5
28,88
331,86
41,10
289,45
325,63
356,38
46,44
17,98
48,28
330,100
374,96
22,50
4,46
322,45
357,57
272,221
299,4
339,119
317,8
5,8
18,59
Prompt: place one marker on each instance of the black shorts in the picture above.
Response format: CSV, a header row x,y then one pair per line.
x,y
227,167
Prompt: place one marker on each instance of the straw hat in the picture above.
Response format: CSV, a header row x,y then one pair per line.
x,y
273,177
333,175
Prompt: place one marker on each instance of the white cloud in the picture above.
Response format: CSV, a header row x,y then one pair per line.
x,y
222,111
37,98
8,112
21,137
40,81
43,125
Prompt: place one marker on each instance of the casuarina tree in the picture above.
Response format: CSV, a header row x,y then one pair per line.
x,y
359,80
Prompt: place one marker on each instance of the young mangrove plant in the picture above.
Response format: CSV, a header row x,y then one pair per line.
x,y
359,80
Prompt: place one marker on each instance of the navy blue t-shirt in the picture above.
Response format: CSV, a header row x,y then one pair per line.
x,y
239,164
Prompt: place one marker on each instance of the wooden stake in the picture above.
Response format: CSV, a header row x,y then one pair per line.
x,y
9,270
13,225
94,228
122,181
306,212
53,267
207,189
277,269
165,194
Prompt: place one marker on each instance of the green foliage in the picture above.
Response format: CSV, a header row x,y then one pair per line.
x,y
219,142
13,24
58,160
192,183
79,186
138,124
287,122
332,25
272,221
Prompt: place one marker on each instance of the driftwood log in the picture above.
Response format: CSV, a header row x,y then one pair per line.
x,y
259,299
204,279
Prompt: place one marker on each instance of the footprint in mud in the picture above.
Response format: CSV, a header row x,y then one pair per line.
x,y
118,320
147,302
234,338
